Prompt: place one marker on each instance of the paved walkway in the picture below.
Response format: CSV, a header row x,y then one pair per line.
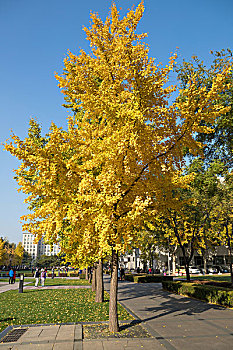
x,y
178,322
4,287
175,322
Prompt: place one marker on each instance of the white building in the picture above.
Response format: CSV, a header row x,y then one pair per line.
x,y
131,261
40,248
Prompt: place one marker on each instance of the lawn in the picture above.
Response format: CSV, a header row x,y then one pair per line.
x,y
225,277
61,282
54,306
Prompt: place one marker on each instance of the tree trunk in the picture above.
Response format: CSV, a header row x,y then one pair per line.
x,y
173,264
89,274
187,272
93,285
86,273
231,270
113,316
205,263
99,297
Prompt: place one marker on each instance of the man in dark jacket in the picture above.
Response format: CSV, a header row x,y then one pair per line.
x,y
11,275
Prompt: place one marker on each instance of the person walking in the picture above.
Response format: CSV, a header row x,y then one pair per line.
x,y
14,276
37,277
11,276
122,273
42,277
53,273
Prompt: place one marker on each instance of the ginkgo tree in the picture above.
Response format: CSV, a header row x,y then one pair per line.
x,y
123,148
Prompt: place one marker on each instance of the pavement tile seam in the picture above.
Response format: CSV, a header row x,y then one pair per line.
x,y
149,329
225,330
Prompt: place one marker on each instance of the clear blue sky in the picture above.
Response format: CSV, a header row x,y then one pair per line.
x,y
35,36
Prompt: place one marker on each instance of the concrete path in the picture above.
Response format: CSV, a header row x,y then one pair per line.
x,y
4,287
55,337
178,322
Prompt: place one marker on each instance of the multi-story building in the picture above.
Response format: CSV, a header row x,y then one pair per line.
x,y
40,248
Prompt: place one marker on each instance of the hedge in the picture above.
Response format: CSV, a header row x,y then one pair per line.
x,y
73,274
147,278
82,276
211,294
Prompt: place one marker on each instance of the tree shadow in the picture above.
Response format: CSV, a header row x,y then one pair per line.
x,y
6,319
160,303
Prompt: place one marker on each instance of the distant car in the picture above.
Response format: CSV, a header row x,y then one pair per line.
x,y
194,270
225,269
221,269
211,269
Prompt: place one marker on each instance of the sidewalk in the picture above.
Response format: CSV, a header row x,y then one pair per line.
x,y
5,286
178,322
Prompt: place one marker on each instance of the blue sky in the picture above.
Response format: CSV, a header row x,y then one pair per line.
x,y
35,37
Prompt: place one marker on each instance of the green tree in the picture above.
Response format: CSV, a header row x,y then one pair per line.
x,y
18,254
47,261
219,143
222,218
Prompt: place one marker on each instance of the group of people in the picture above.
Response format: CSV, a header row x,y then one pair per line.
x,y
40,275
12,276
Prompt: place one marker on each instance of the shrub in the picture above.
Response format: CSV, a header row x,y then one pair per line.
x,y
82,276
147,278
211,294
27,274
62,274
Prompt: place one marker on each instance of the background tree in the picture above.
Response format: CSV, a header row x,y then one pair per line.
x,y
218,144
2,252
46,261
18,254
222,218
26,259
189,225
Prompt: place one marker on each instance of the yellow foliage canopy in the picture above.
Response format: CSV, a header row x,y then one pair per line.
x,y
123,149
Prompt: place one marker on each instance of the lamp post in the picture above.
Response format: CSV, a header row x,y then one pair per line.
x,y
21,279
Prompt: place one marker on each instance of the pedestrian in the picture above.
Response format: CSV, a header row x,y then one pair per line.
x,y
14,276
42,277
11,275
150,271
122,273
53,273
37,277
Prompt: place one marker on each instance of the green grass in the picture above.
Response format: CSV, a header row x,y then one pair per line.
x,y
61,282
54,306
225,278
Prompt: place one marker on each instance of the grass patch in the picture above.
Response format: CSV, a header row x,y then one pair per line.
x,y
62,282
224,278
54,306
